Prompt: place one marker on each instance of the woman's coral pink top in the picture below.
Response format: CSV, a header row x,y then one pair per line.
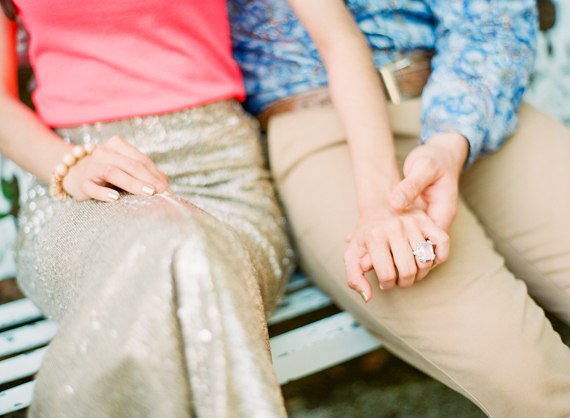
x,y
112,59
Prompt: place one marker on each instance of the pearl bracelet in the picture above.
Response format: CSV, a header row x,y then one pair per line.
x,y
56,189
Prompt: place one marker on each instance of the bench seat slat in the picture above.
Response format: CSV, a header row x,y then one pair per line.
x,y
27,337
297,281
301,302
16,398
296,354
18,312
21,366
319,345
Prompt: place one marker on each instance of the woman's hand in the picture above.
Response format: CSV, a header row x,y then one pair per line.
x,y
115,164
384,240
431,178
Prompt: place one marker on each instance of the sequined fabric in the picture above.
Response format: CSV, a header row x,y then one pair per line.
x,y
162,301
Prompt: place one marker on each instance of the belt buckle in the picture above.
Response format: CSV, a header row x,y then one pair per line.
x,y
387,73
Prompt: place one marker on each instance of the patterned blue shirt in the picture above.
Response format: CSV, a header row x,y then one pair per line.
x,y
484,54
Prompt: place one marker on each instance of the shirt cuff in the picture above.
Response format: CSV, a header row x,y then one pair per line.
x,y
473,135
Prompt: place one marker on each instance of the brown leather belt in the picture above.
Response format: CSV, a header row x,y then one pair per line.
x,y
402,79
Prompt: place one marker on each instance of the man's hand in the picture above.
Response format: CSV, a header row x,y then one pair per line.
x,y
431,177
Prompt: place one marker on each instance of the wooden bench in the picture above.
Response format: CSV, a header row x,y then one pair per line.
x,y
308,334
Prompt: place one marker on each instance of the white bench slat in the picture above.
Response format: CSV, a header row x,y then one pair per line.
x,y
18,312
297,281
319,345
21,366
296,354
299,303
27,337
16,398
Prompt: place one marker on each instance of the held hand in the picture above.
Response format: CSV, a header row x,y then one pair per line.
x,y
384,240
431,178
115,164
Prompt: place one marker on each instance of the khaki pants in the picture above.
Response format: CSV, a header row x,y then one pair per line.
x,y
474,322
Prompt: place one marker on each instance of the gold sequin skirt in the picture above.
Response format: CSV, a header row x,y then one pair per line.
x,y
162,301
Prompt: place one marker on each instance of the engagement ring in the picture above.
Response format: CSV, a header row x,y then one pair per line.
x,y
424,251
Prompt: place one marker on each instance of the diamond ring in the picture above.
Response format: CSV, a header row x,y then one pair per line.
x,y
424,251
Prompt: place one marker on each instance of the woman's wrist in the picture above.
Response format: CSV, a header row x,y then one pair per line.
x,y
78,152
374,190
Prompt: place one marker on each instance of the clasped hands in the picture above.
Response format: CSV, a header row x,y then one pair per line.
x,y
421,206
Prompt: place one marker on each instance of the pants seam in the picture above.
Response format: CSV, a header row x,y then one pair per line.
x,y
280,178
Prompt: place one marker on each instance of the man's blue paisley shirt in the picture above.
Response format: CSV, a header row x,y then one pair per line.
x,y
484,55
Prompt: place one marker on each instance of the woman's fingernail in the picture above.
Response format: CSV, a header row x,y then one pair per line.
x,y
364,296
114,196
148,190
400,200
166,192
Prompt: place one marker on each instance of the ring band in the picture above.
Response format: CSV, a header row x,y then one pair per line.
x,y
424,251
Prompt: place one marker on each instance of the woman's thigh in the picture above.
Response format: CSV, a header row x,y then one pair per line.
x,y
521,195
213,157
470,323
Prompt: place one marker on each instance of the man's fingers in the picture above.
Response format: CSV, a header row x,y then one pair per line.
x,y
443,207
442,214
407,191
420,176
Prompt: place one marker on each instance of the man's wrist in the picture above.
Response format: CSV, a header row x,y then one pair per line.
x,y
455,145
